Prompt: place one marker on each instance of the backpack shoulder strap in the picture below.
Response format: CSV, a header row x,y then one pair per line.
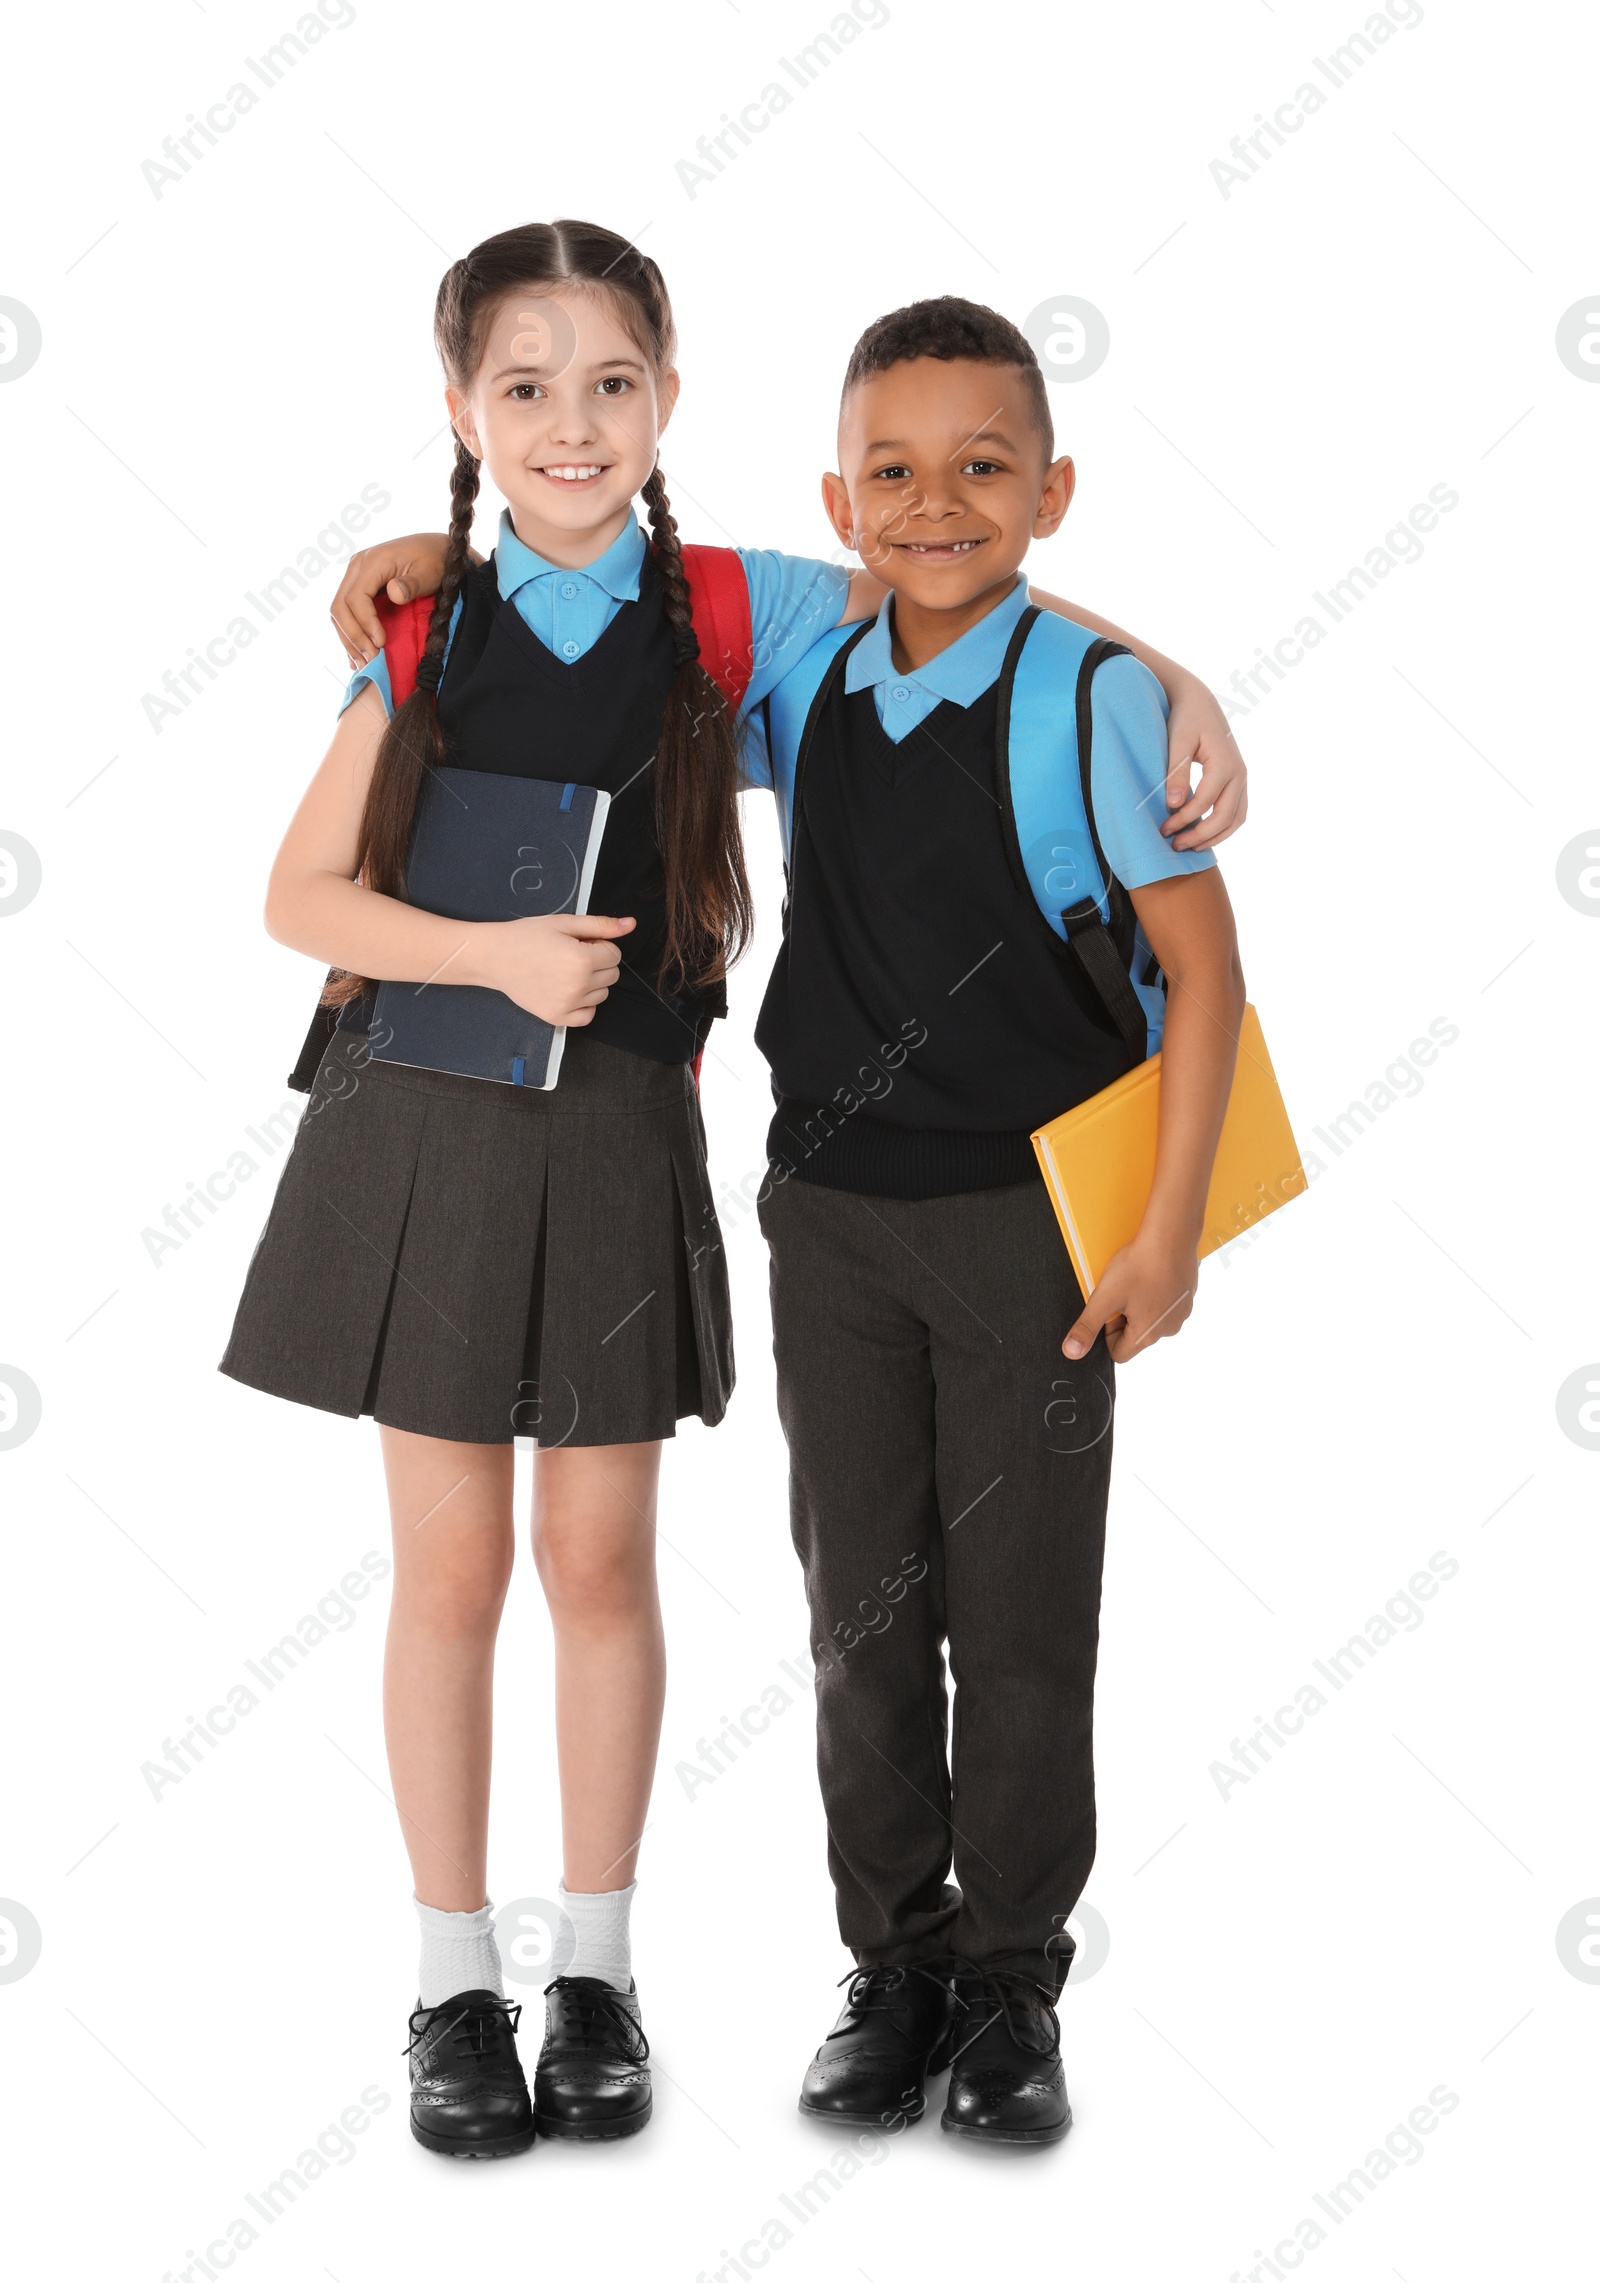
x,y
405,635
1101,943
1104,945
719,599
1094,658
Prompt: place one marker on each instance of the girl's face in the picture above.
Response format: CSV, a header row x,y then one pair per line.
x,y
564,412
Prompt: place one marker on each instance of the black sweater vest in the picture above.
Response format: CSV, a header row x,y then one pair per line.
x,y
923,1017
507,706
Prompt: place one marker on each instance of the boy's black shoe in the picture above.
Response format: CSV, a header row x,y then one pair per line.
x,y
894,2032
591,2082
1006,2080
468,2094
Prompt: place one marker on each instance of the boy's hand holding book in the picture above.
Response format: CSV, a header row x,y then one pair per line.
x,y
1147,1289
1145,1294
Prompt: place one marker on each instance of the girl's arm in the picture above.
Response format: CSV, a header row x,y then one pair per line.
x,y
1148,1287
1197,729
559,967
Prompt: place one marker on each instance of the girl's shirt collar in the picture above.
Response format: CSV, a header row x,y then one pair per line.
x,y
616,571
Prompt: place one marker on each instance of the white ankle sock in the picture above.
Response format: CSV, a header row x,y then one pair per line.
x,y
459,1952
600,1923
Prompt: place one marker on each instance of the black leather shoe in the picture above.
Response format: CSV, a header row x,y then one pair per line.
x,y
873,2066
468,2094
591,2082
1006,2080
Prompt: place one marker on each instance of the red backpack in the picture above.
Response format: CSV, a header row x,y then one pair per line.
x,y
719,600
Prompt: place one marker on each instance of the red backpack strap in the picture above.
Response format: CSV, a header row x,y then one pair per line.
x,y
405,635
719,597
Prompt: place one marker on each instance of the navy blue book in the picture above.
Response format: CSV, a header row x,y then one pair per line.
x,y
488,847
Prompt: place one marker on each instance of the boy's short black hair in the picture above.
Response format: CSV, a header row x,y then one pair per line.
x,y
949,327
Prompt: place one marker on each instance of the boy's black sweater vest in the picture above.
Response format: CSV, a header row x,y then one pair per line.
x,y
508,706
923,1017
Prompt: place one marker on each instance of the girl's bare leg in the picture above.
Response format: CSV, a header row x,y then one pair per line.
x,y
594,1532
450,1507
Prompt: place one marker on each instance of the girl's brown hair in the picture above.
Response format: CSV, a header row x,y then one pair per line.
x,y
708,912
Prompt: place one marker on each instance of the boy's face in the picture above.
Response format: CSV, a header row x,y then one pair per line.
x,y
943,479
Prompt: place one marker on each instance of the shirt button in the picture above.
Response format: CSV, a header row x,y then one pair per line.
x,y
568,589
901,691
569,649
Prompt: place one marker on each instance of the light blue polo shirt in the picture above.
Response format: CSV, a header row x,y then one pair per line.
x,y
960,674
1128,756
794,601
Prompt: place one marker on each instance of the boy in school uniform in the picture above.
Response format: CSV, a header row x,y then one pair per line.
x,y
945,1390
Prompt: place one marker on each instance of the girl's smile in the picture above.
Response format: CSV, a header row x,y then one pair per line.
x,y
565,411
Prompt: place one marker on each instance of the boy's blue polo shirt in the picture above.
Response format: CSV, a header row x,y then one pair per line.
x,y
1128,754
794,601
958,675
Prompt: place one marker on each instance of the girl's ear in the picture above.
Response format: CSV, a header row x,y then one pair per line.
x,y
1055,498
462,422
667,386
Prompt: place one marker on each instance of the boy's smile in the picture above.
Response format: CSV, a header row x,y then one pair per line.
x,y
943,484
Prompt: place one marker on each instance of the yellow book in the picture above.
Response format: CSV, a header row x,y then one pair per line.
x,y
1099,1160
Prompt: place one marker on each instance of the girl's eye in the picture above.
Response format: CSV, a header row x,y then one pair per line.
x,y
524,392
614,384
981,468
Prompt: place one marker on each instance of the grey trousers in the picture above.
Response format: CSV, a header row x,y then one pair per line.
x,y
949,1470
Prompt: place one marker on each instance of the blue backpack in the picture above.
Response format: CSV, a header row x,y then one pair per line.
x,y
1052,842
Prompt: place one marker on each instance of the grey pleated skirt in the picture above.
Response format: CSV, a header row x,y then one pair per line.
x,y
479,1262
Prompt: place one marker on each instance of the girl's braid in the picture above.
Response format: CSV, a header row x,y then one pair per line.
x,y
463,498
674,579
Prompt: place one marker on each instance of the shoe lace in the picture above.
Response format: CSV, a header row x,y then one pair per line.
x,y
990,1995
477,2033
587,2004
877,1989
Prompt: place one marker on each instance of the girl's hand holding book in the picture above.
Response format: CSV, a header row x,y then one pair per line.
x,y
559,966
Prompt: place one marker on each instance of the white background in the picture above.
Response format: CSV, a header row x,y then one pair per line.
x,y
1292,1968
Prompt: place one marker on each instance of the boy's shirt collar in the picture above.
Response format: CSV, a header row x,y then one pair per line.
x,y
617,570
961,674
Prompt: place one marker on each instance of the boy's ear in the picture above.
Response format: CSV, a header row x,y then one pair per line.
x,y
836,504
1060,480
462,422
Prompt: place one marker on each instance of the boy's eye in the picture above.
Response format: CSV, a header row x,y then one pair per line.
x,y
614,384
981,468
895,474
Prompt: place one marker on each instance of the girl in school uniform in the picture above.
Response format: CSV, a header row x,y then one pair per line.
x,y
467,1261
